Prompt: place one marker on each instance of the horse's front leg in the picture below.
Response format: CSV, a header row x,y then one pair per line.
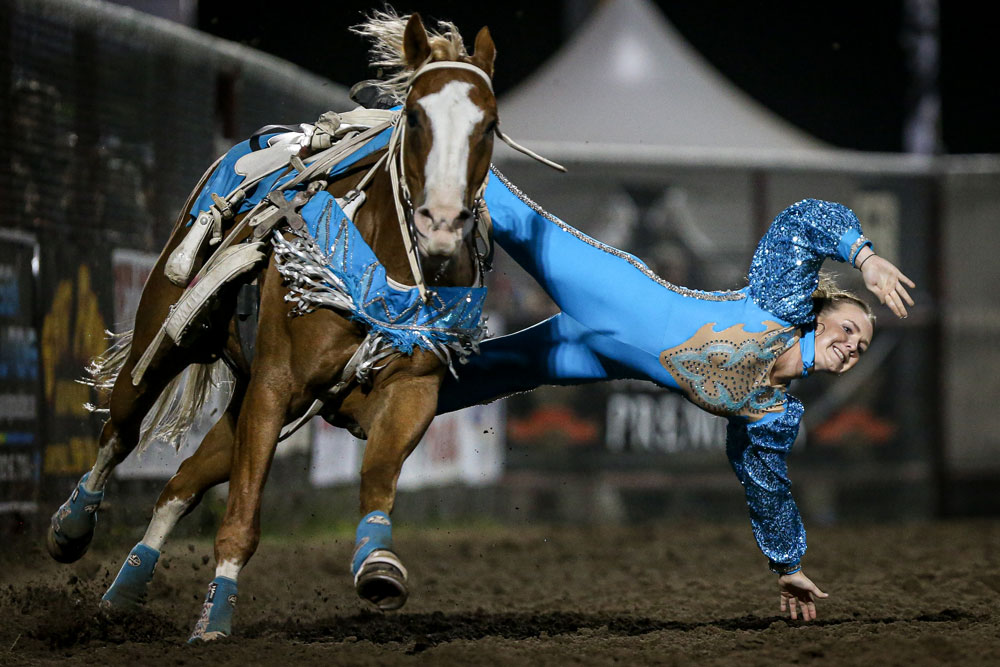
x,y
398,415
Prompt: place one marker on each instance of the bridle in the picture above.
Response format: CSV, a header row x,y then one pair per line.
x,y
394,158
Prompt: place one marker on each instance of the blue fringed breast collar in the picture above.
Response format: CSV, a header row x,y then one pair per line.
x,y
330,264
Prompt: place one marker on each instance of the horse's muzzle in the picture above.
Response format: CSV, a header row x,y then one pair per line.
x,y
441,231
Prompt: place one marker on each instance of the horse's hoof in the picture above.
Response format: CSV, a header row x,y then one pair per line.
x,y
382,581
216,619
64,549
128,591
72,526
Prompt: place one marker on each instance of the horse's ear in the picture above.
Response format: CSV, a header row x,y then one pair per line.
x,y
416,48
485,52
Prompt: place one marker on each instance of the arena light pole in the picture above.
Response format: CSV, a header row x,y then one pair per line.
x,y
922,136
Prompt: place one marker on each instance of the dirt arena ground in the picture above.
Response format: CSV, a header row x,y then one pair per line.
x,y
917,594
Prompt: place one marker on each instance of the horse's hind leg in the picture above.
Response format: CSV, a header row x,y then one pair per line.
x,y
72,526
208,466
73,523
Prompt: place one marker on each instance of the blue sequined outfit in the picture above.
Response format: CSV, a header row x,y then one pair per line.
x,y
619,320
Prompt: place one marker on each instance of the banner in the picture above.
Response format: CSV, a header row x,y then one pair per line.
x,y
465,447
20,423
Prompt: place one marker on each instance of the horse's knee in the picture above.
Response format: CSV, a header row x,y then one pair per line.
x,y
378,487
381,474
121,430
235,544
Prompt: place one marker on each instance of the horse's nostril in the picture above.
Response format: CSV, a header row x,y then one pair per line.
x,y
464,215
425,212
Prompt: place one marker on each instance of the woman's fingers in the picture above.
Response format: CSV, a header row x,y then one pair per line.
x,y
896,304
890,300
893,294
888,283
905,294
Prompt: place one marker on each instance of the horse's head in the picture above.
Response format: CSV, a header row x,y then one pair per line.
x,y
450,115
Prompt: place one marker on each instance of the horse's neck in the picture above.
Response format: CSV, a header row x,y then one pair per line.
x,y
379,227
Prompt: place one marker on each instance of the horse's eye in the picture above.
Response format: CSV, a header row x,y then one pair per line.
x,y
412,119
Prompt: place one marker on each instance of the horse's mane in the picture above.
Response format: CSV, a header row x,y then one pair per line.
x,y
384,28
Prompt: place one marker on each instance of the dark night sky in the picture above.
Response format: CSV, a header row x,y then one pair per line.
x,y
836,70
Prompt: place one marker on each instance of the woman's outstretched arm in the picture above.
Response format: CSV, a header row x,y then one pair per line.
x,y
785,268
757,452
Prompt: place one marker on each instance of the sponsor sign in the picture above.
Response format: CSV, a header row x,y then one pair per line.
x,y
20,423
465,447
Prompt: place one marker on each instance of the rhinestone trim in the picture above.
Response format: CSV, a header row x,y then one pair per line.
x,y
685,291
856,248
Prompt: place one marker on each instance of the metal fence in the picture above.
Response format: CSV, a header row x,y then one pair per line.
x,y
107,120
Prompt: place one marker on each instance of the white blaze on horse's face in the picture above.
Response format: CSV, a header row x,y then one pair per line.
x,y
442,215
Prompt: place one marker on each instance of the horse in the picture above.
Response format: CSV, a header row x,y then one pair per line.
x,y
316,350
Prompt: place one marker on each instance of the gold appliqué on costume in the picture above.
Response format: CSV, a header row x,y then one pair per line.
x,y
727,372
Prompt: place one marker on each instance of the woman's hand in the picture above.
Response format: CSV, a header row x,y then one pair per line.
x,y
798,591
885,281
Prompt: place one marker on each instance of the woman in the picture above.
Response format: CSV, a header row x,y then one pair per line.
x,y
730,353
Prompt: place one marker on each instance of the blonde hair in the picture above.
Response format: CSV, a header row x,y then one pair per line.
x,y
828,295
384,29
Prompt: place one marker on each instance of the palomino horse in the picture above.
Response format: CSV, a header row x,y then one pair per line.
x,y
319,347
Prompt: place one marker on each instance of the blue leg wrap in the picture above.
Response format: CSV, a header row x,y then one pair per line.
x,y
78,515
72,525
374,532
129,588
217,613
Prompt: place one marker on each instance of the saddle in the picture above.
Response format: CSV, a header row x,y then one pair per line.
x,y
267,168
260,177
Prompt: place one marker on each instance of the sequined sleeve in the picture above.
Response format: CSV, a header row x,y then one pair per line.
x,y
757,452
785,268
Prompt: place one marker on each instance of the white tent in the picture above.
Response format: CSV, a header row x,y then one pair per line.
x,y
629,78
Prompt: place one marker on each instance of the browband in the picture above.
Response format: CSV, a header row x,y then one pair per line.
x,y
452,64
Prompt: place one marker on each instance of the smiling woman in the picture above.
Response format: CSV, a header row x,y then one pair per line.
x,y
730,353
845,325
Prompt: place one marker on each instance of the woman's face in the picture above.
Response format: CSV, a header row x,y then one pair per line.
x,y
843,333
